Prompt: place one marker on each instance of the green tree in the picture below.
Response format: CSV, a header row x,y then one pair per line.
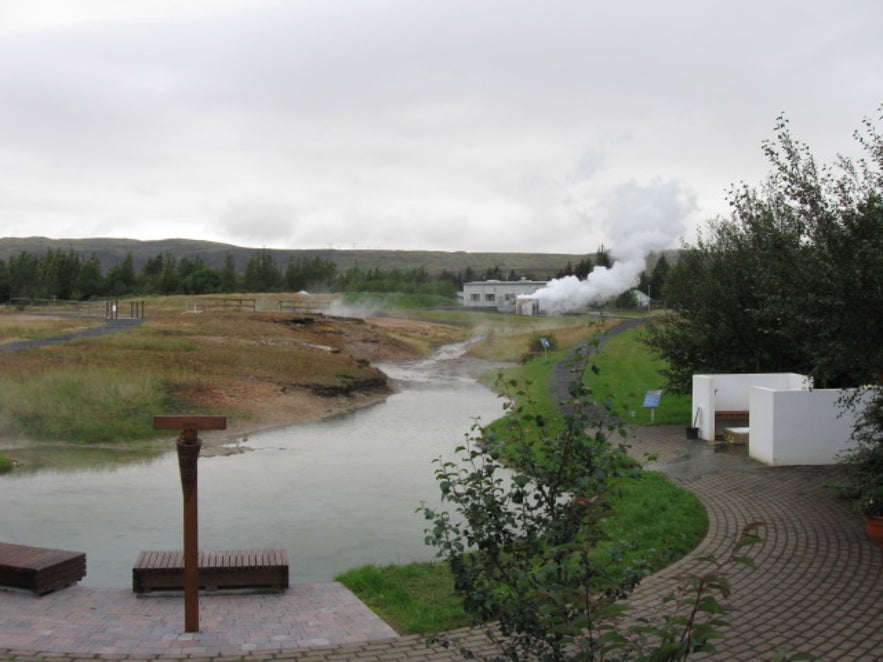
x,y
121,278
228,274
23,273
261,273
658,278
519,544
4,282
309,274
792,281
90,282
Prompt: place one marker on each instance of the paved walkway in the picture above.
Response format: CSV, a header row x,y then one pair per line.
x,y
818,587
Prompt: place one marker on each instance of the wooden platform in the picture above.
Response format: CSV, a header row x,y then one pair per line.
x,y
40,569
241,568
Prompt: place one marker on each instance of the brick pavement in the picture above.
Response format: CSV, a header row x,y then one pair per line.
x,y
817,588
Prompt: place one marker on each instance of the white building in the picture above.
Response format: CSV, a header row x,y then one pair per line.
x,y
499,294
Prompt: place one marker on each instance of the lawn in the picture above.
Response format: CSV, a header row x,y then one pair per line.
x,y
653,519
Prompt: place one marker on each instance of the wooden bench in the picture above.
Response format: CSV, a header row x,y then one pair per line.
x,y
39,569
728,419
723,416
242,568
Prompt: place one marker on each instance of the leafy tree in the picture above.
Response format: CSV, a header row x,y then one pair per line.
x,y
90,282
23,270
4,282
228,274
656,283
261,273
519,544
309,273
602,257
522,542
121,278
792,281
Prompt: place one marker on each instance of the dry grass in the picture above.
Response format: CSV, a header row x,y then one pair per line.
x,y
16,326
508,344
259,369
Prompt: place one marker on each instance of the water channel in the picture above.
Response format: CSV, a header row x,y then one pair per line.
x,y
336,494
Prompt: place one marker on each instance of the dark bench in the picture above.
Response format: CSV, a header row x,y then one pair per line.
x,y
40,569
724,419
242,568
727,416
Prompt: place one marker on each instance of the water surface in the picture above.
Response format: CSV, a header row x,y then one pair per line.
x,y
336,494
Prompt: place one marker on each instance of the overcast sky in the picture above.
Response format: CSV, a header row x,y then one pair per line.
x,y
474,125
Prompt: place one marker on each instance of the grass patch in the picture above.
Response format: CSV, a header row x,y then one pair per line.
x,y
627,370
78,405
416,598
653,519
6,464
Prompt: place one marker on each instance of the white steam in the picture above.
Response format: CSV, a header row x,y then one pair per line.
x,y
640,220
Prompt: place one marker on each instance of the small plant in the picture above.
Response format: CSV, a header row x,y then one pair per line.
x,y
870,503
863,463
693,612
541,342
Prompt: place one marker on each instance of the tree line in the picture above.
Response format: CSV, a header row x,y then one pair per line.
x,y
71,276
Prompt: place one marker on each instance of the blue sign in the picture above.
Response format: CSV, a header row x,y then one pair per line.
x,y
545,343
652,398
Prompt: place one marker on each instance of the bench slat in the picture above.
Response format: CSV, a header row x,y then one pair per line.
x,y
40,569
261,568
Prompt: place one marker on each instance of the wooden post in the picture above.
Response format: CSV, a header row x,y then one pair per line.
x,y
188,454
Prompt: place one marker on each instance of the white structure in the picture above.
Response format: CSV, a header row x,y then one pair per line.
x,y
789,422
499,294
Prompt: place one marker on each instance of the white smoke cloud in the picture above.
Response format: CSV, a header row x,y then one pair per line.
x,y
640,219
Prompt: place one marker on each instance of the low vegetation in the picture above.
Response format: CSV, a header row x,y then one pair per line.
x,y
183,358
651,522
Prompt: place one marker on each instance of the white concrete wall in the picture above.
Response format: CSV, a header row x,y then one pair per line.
x,y
702,413
731,392
797,426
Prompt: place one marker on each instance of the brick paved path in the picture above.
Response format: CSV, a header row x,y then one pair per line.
x,y
818,587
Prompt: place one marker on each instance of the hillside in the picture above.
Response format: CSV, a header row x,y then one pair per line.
x,y
111,251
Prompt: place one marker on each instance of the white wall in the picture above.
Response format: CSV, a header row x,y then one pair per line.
x,y
797,426
731,392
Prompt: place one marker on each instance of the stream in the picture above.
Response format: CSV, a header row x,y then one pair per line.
x,y
336,494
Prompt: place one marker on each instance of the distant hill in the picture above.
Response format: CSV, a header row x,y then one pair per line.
x,y
112,251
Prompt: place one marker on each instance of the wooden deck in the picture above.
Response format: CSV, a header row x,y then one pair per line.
x,y
242,568
40,569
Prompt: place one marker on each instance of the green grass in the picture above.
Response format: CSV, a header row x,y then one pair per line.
x,y
413,599
653,519
5,463
83,402
627,371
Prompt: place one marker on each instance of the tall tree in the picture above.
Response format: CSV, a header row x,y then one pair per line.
x,y
793,280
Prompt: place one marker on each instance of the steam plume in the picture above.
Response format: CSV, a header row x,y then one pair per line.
x,y
640,220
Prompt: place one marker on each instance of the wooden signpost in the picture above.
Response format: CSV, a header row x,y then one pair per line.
x,y
188,453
